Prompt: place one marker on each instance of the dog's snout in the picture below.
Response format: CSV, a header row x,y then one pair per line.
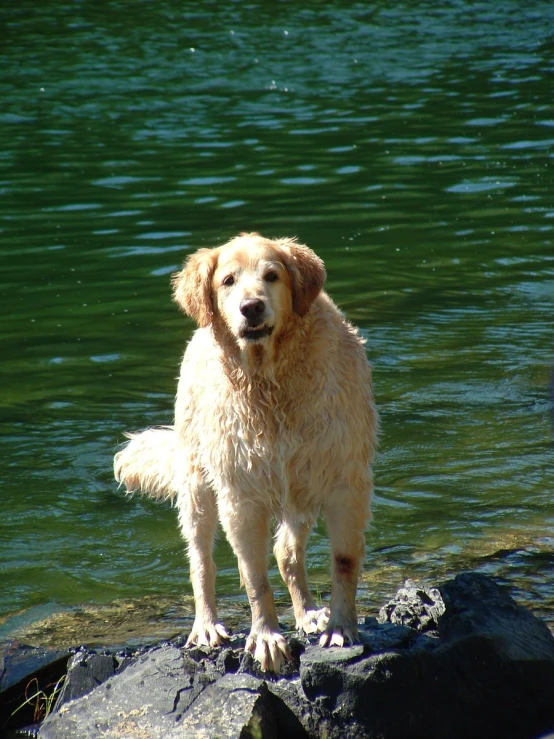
x,y
252,308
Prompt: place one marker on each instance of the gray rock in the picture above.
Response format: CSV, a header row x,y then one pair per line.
x,y
417,606
472,663
240,706
85,671
152,694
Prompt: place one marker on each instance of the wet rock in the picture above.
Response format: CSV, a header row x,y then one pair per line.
x,y
448,663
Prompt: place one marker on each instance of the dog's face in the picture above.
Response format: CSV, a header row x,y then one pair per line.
x,y
251,285
252,291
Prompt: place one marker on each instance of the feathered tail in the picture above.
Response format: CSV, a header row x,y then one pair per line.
x,y
147,464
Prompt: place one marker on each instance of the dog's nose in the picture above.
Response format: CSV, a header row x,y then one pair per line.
x,y
252,308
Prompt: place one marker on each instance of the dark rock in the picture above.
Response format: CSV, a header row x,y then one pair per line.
x,y
471,663
24,671
85,671
489,674
20,662
477,606
228,660
384,637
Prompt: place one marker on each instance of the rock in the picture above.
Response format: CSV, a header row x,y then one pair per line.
x,y
165,693
24,671
463,660
476,606
152,693
488,673
416,606
85,671
239,706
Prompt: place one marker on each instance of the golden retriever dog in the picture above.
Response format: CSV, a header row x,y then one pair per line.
x,y
274,421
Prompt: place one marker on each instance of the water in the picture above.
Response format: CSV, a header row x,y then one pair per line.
x,y
411,146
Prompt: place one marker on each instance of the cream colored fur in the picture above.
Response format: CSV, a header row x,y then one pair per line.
x,y
274,421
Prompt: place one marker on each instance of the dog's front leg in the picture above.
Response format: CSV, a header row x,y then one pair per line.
x,y
198,527
248,534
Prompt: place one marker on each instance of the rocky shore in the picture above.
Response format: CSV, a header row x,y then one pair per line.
x,y
459,660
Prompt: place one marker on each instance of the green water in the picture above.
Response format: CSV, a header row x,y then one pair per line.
x,y
410,144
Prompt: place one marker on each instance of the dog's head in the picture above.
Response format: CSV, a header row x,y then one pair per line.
x,y
251,284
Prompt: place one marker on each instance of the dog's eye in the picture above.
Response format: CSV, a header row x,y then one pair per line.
x,y
271,277
228,281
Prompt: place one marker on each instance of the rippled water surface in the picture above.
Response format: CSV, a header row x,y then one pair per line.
x,y
410,144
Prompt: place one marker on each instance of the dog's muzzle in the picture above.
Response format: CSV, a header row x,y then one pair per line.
x,y
253,309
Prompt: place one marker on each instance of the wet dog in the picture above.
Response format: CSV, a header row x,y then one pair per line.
x,y
274,422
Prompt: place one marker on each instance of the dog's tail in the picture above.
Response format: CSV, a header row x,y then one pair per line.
x,y
147,463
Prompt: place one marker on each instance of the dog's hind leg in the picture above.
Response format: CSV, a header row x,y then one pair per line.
x,y
198,521
346,517
290,553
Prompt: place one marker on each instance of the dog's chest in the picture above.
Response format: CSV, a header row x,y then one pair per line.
x,y
255,448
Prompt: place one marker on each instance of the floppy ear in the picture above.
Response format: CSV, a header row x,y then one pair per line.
x,y
307,275
192,287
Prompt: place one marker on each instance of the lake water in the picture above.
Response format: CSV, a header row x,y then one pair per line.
x,y
411,145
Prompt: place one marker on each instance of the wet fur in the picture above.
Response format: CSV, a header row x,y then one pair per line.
x,y
277,429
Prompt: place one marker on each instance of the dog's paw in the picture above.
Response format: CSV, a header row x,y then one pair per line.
x,y
269,648
207,635
337,635
313,621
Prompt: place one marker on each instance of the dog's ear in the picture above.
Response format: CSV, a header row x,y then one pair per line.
x,y
192,287
307,275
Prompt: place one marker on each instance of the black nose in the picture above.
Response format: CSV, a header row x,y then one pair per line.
x,y
252,308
